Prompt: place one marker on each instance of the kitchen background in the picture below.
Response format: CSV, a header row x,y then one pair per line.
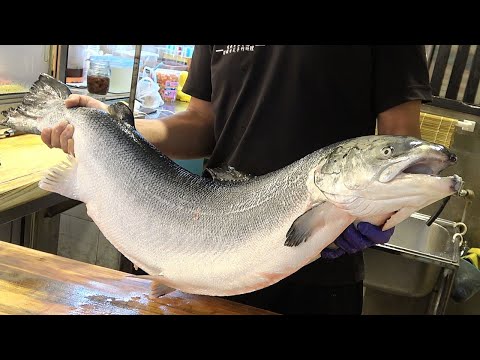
x,y
454,70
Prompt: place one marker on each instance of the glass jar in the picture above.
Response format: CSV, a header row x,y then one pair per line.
x,y
98,77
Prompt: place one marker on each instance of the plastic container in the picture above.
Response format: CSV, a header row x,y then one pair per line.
x,y
181,96
121,79
172,65
147,58
98,77
168,81
121,72
177,55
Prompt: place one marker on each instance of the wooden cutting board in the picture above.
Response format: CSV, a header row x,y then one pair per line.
x,y
34,282
23,161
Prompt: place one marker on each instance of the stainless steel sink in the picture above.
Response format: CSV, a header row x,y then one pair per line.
x,y
411,262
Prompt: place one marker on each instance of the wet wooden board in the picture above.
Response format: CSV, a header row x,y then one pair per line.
x,y
34,282
23,161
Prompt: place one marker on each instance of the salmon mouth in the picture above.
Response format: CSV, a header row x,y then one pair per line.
x,y
430,164
425,167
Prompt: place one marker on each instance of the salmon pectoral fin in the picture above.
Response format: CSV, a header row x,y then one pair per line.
x,y
332,246
398,217
157,286
303,227
314,220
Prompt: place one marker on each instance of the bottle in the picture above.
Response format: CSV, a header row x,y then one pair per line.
x,y
98,77
75,61
90,51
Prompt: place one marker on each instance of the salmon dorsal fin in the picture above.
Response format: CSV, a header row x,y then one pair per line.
x,y
122,113
227,173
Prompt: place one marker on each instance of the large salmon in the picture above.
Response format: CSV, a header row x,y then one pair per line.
x,y
215,237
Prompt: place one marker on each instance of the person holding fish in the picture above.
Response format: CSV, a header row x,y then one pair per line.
x,y
258,108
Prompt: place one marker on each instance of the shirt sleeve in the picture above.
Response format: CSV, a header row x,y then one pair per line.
x,y
400,74
199,82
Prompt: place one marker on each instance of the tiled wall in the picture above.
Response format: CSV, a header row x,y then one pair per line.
x,y
80,239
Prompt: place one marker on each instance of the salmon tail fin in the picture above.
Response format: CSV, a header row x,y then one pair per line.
x,y
31,116
62,179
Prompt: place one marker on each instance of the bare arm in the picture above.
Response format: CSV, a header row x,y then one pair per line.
x,y
184,135
402,119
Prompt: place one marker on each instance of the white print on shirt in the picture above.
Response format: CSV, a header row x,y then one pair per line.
x,y
237,48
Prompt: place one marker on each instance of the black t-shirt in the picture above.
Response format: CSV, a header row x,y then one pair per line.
x,y
276,104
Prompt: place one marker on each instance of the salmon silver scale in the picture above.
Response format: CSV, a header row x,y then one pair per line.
x,y
236,235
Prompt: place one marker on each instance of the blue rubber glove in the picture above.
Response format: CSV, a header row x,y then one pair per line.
x,y
357,239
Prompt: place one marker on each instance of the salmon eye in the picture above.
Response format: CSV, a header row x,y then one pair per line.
x,y
387,151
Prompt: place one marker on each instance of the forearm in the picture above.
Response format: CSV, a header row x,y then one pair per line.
x,y
184,135
400,120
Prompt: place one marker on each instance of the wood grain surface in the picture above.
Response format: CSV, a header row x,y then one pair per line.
x,y
23,161
34,282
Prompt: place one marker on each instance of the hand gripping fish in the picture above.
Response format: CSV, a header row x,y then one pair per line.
x,y
212,237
